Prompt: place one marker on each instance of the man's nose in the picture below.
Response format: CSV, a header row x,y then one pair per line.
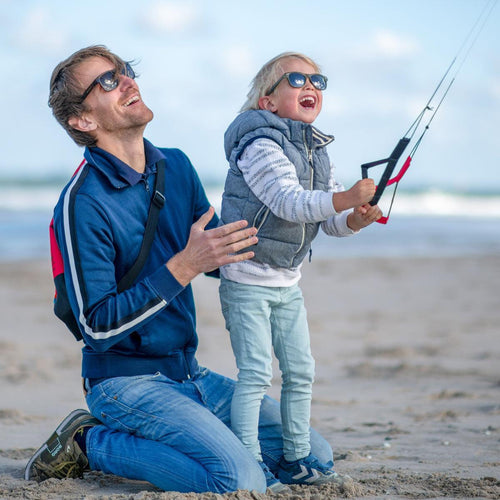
x,y
126,82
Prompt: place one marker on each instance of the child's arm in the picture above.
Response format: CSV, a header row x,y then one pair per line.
x,y
363,216
360,194
273,180
348,222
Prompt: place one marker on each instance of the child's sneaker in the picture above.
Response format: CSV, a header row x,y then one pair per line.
x,y
273,484
60,456
309,470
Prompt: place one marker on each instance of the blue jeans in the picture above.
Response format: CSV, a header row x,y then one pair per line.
x,y
260,319
177,435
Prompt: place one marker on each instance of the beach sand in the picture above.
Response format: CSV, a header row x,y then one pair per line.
x,y
407,384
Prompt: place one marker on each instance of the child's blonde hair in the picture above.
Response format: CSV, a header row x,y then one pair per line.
x,y
268,75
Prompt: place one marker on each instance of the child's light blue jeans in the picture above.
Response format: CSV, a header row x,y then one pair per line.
x,y
177,436
259,319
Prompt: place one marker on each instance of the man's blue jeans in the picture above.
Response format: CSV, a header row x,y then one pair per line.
x,y
177,435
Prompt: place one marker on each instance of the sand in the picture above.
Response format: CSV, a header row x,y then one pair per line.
x,y
407,388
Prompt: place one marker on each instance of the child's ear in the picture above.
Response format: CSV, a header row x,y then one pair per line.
x,y
82,123
266,102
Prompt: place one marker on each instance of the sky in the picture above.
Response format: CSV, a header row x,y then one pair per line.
x,y
196,60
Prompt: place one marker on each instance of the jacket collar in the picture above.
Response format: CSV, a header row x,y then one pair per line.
x,y
315,138
119,173
320,139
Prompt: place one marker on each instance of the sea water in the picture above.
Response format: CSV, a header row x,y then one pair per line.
x,y
423,223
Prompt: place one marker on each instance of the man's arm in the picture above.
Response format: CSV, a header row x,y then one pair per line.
x,y
207,250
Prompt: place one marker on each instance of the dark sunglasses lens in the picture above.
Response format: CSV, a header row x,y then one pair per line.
x,y
319,81
108,80
128,71
297,80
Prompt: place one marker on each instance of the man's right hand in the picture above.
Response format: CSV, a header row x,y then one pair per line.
x,y
208,250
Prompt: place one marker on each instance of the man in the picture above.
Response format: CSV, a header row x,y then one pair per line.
x,y
156,415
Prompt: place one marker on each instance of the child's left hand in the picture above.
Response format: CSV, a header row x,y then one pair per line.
x,y
363,216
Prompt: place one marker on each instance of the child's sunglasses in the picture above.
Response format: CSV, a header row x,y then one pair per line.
x,y
298,80
109,80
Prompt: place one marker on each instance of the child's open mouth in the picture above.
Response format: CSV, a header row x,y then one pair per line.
x,y
308,102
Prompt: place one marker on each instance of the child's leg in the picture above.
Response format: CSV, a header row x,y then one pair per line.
x,y
246,309
292,348
271,437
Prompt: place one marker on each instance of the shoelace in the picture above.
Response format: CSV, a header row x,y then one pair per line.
x,y
65,469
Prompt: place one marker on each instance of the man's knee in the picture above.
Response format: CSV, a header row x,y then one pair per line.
x,y
252,478
321,448
248,476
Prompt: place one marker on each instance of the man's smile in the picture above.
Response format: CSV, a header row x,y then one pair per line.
x,y
131,100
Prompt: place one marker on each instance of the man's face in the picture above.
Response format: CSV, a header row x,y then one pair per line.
x,y
119,112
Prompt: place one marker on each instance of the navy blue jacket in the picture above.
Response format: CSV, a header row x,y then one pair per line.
x,y
99,223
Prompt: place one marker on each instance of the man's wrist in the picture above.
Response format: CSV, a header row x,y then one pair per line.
x,y
180,270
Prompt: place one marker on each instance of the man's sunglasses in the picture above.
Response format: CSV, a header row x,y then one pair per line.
x,y
109,80
298,80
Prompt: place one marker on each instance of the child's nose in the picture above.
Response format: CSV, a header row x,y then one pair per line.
x,y
309,84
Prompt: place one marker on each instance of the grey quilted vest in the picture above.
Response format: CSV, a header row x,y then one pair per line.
x,y
281,243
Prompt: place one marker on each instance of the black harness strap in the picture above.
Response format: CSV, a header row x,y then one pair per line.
x,y
157,203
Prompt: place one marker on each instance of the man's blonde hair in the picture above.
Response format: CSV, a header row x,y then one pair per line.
x,y
269,75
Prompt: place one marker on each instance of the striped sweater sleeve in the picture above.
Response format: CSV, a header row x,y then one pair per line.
x,y
273,180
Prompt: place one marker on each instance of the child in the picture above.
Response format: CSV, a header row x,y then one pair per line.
x,y
280,180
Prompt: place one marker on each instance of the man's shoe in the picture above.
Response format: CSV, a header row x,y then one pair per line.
x,y
309,470
61,456
273,484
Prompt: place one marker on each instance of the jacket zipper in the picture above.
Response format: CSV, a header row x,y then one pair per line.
x,y
145,179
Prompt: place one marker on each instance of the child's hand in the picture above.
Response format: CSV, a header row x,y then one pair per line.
x,y
363,216
360,194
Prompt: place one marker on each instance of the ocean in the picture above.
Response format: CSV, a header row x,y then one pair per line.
x,y
423,223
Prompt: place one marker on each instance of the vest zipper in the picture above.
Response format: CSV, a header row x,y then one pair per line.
x,y
310,160
311,187
310,156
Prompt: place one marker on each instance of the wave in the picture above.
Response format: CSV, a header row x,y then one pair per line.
x,y
439,203
423,223
28,199
428,202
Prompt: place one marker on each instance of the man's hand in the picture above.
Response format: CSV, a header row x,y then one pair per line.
x,y
208,250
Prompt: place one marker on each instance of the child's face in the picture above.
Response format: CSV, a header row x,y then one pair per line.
x,y
302,104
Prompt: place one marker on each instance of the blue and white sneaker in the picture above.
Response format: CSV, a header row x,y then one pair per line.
x,y
309,470
274,485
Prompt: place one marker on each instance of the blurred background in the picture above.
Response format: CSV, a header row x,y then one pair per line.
x,y
196,60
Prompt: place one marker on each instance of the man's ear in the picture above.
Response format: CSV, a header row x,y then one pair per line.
x,y
266,102
82,123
